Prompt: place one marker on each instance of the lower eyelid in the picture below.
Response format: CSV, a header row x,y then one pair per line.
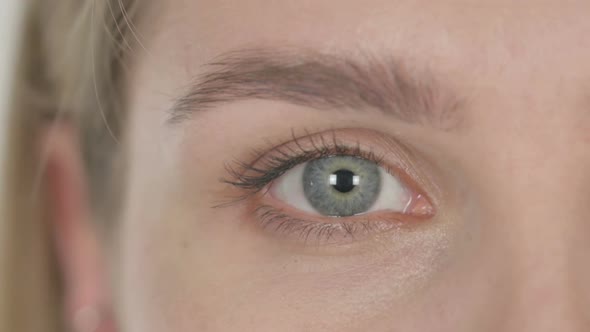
x,y
330,231
285,223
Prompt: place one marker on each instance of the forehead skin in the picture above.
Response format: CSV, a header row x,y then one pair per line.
x,y
520,161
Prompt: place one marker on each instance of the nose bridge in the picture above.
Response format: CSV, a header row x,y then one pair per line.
x,y
545,214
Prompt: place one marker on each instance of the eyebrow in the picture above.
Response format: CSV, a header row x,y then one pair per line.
x,y
323,82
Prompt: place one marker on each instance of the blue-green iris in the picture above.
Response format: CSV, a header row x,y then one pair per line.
x,y
341,186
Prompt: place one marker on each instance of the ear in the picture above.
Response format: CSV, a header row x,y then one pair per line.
x,y
75,237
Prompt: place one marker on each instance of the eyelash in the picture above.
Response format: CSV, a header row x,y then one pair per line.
x,y
284,224
252,178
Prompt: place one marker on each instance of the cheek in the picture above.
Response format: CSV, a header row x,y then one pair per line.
x,y
188,267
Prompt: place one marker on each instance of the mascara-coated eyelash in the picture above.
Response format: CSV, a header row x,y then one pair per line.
x,y
253,177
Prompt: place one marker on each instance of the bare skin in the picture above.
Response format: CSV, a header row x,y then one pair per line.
x,y
505,166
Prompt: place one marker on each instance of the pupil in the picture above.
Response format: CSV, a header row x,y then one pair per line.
x,y
343,180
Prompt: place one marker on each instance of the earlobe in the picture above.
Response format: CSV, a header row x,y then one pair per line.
x,y
75,238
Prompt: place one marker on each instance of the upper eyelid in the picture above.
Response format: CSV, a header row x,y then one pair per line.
x,y
318,146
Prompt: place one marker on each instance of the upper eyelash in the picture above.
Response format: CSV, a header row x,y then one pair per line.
x,y
269,165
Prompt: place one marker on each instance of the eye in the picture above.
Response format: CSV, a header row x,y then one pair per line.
x,y
346,186
334,187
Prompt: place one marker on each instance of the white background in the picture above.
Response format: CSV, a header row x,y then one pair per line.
x,y
10,26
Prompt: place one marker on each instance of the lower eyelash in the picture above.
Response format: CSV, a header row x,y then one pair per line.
x,y
334,232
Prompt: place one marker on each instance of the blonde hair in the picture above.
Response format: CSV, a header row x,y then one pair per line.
x,y
71,67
